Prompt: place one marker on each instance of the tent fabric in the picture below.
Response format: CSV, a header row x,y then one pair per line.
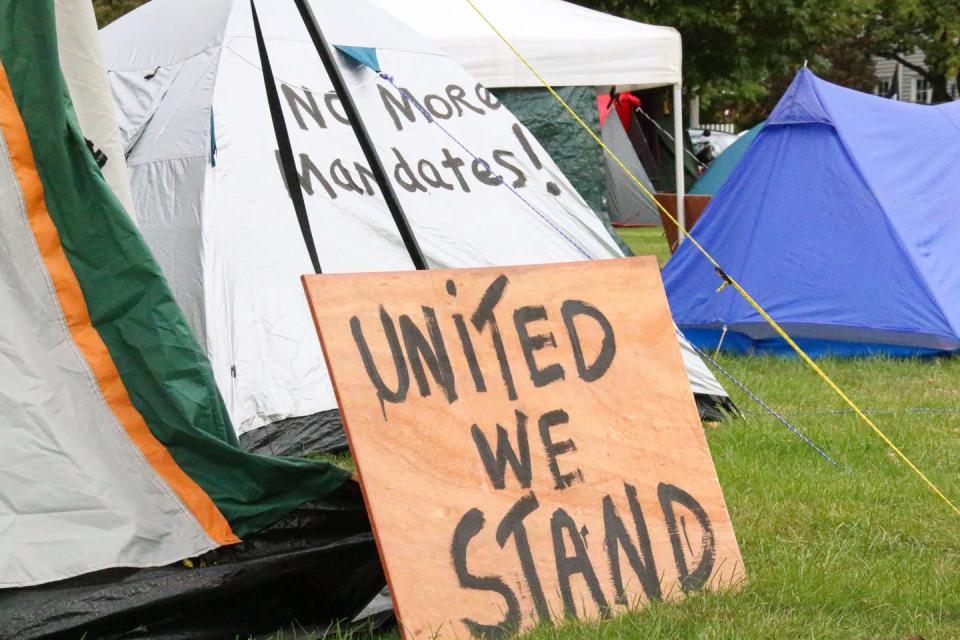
x,y
223,228
81,59
628,204
567,44
840,221
118,449
576,153
723,165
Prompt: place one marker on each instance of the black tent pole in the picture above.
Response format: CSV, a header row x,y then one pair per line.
x,y
350,109
290,177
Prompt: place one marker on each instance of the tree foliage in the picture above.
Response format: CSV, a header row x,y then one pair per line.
x,y
109,10
900,27
739,55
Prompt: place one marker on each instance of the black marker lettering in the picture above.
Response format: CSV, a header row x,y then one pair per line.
x,y
431,175
696,579
434,353
296,102
458,99
616,536
500,157
469,526
330,99
404,175
454,163
579,562
484,316
469,353
384,393
437,106
395,108
570,309
481,171
554,449
486,98
521,318
341,176
496,465
512,526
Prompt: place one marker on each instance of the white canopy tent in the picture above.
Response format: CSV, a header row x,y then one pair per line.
x,y
567,44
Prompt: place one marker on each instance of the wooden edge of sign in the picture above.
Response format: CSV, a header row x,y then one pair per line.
x,y
305,280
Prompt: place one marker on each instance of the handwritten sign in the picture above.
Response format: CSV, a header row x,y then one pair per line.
x,y
526,440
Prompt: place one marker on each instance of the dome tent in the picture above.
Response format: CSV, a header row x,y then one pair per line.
x,y
840,221
212,204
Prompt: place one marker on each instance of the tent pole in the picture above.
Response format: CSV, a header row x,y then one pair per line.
x,y
678,151
363,137
288,166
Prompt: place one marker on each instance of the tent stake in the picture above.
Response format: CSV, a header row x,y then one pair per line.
x,y
366,144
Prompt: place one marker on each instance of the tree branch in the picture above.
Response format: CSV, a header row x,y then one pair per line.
x,y
909,65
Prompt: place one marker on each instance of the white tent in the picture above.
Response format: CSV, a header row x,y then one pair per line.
x,y
211,202
567,44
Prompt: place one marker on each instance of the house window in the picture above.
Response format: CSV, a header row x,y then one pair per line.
x,y
883,88
954,91
922,92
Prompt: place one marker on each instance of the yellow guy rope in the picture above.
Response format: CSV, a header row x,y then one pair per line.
x,y
727,278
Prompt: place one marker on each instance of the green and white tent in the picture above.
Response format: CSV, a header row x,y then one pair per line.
x,y
117,449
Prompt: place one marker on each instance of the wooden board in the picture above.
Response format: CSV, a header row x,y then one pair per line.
x,y
693,207
566,476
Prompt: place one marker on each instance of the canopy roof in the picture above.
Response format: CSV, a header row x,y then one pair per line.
x,y
569,45
841,221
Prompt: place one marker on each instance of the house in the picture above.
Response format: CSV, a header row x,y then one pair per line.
x,y
912,86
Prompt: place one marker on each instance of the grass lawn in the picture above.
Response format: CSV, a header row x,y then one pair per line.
x,y
860,550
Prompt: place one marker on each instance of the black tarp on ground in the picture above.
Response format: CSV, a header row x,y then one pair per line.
x,y
320,432
317,566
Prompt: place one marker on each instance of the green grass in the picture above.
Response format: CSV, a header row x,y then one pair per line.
x,y
647,241
861,550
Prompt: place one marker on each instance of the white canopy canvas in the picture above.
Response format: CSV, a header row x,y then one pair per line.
x,y
211,201
568,44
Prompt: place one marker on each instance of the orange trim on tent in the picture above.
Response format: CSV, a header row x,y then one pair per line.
x,y
84,334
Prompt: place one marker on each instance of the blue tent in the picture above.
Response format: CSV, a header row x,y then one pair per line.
x,y
724,164
843,221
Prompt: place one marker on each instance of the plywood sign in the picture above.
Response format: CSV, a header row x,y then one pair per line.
x,y
527,442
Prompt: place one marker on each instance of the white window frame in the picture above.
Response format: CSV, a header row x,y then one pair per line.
x,y
928,90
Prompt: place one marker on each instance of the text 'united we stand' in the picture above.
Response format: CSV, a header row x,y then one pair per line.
x,y
527,442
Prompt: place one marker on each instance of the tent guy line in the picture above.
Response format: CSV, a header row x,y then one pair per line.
x,y
670,136
403,92
726,278
764,405
486,165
